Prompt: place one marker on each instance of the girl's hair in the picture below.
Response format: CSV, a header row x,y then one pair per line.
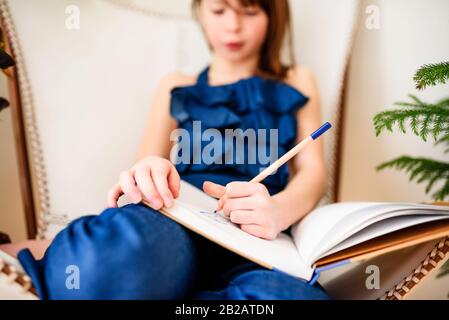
x,y
279,30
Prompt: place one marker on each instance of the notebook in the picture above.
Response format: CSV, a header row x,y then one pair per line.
x,y
329,236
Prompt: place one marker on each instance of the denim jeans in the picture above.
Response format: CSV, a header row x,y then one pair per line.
x,y
135,252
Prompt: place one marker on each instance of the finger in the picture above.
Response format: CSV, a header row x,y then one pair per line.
x,y
247,203
146,185
113,195
128,185
213,189
245,217
238,189
221,201
160,181
174,182
257,231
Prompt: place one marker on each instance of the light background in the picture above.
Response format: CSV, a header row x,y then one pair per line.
x,y
412,32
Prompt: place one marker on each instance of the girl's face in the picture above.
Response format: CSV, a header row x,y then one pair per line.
x,y
235,33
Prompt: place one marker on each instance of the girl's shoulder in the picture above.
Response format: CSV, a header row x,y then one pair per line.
x,y
302,78
176,79
298,76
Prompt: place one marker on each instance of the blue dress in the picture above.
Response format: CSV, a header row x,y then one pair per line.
x,y
135,252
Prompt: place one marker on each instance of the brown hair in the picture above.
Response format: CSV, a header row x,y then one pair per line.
x,y
279,27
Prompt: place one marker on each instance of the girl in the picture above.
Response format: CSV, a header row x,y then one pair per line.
x,y
134,252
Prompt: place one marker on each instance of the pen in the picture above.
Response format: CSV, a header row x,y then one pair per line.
x,y
290,154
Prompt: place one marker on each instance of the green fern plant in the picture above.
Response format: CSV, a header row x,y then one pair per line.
x,y
425,120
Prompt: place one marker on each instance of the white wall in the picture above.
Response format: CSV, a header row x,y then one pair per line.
x,y
412,33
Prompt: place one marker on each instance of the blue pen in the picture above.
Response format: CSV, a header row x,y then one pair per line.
x,y
290,154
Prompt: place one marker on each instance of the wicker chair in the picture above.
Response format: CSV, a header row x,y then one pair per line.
x,y
73,89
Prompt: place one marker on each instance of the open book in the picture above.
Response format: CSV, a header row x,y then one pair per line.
x,y
328,236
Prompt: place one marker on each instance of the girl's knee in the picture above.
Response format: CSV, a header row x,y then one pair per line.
x,y
128,252
137,223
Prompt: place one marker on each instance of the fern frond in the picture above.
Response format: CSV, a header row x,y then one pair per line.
x,y
423,170
424,119
416,102
431,74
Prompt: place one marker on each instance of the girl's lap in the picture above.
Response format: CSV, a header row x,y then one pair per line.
x,y
126,252
222,274
264,284
246,280
131,252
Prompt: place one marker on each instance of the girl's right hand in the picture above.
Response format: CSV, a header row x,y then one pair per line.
x,y
154,178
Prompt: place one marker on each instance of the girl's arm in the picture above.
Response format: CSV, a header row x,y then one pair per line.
x,y
308,182
153,176
250,205
156,138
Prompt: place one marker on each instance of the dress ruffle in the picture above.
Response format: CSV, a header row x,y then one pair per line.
x,y
251,103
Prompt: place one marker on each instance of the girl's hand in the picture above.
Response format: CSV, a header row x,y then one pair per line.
x,y
250,205
154,178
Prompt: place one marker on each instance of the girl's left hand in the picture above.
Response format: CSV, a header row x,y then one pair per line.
x,y
248,204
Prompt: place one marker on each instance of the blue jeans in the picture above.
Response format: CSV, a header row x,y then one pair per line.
x,y
135,252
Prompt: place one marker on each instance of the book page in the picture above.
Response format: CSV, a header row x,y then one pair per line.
x,y
317,224
360,220
327,226
194,209
383,227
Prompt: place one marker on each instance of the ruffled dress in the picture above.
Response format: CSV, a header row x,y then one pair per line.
x,y
256,104
134,252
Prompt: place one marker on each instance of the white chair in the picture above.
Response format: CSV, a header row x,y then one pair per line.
x,y
80,97
79,88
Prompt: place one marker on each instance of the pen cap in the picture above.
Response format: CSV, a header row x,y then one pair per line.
x,y
326,126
